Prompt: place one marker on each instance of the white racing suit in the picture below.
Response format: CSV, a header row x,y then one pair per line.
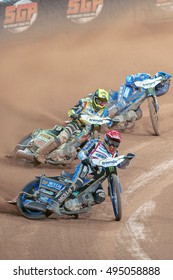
x,y
93,149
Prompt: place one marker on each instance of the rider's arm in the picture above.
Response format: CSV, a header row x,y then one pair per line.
x,y
76,110
127,161
124,164
87,149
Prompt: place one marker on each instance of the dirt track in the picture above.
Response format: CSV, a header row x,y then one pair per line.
x,y
40,81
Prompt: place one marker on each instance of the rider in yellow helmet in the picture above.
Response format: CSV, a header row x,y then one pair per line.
x,y
94,104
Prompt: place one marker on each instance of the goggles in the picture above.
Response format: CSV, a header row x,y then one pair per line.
x,y
101,102
113,143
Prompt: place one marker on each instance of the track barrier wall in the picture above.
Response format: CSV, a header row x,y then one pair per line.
x,y
23,18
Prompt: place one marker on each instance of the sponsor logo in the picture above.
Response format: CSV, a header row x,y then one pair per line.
x,y
20,16
47,192
39,142
51,184
44,136
95,121
110,162
99,155
65,195
82,11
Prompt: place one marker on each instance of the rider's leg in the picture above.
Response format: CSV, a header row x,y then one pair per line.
x,y
46,149
112,109
56,142
115,108
77,182
132,115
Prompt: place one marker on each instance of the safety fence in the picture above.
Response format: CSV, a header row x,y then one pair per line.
x,y
35,17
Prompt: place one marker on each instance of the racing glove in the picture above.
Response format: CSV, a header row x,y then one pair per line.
x,y
86,161
74,116
130,156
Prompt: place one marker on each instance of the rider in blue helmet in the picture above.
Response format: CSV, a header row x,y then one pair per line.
x,y
128,89
130,79
125,92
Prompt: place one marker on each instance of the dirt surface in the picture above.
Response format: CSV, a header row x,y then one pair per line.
x,y
40,80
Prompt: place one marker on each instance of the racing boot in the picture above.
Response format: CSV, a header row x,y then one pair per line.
x,y
99,195
46,149
130,116
25,155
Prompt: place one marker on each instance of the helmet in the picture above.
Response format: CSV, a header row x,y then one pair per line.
x,y
112,140
130,79
99,99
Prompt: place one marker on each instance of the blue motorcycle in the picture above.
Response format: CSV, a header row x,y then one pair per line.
x,y
33,200
146,91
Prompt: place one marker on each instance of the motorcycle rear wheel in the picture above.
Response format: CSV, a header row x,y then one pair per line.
x,y
25,140
28,190
154,116
115,196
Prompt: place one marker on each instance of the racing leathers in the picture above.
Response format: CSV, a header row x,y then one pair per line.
x,y
76,123
128,93
84,172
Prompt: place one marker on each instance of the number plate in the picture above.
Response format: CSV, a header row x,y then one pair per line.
x,y
50,183
42,139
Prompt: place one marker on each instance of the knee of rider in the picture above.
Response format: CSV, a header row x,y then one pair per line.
x,y
131,115
62,139
112,111
78,183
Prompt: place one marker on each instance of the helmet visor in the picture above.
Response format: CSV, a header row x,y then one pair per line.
x,y
100,101
113,143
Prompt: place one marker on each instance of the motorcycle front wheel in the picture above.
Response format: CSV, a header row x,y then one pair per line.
x,y
154,115
115,196
27,196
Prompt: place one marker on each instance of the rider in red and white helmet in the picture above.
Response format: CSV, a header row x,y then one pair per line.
x,y
94,149
112,140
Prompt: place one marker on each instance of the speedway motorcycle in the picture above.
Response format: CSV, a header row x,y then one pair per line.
x,y
33,200
146,92
27,147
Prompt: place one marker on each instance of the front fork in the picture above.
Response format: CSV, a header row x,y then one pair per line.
x,y
110,187
151,93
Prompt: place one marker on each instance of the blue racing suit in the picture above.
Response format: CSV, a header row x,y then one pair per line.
x,y
128,92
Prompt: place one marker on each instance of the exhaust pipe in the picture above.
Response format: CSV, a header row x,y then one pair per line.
x,y
35,206
22,154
